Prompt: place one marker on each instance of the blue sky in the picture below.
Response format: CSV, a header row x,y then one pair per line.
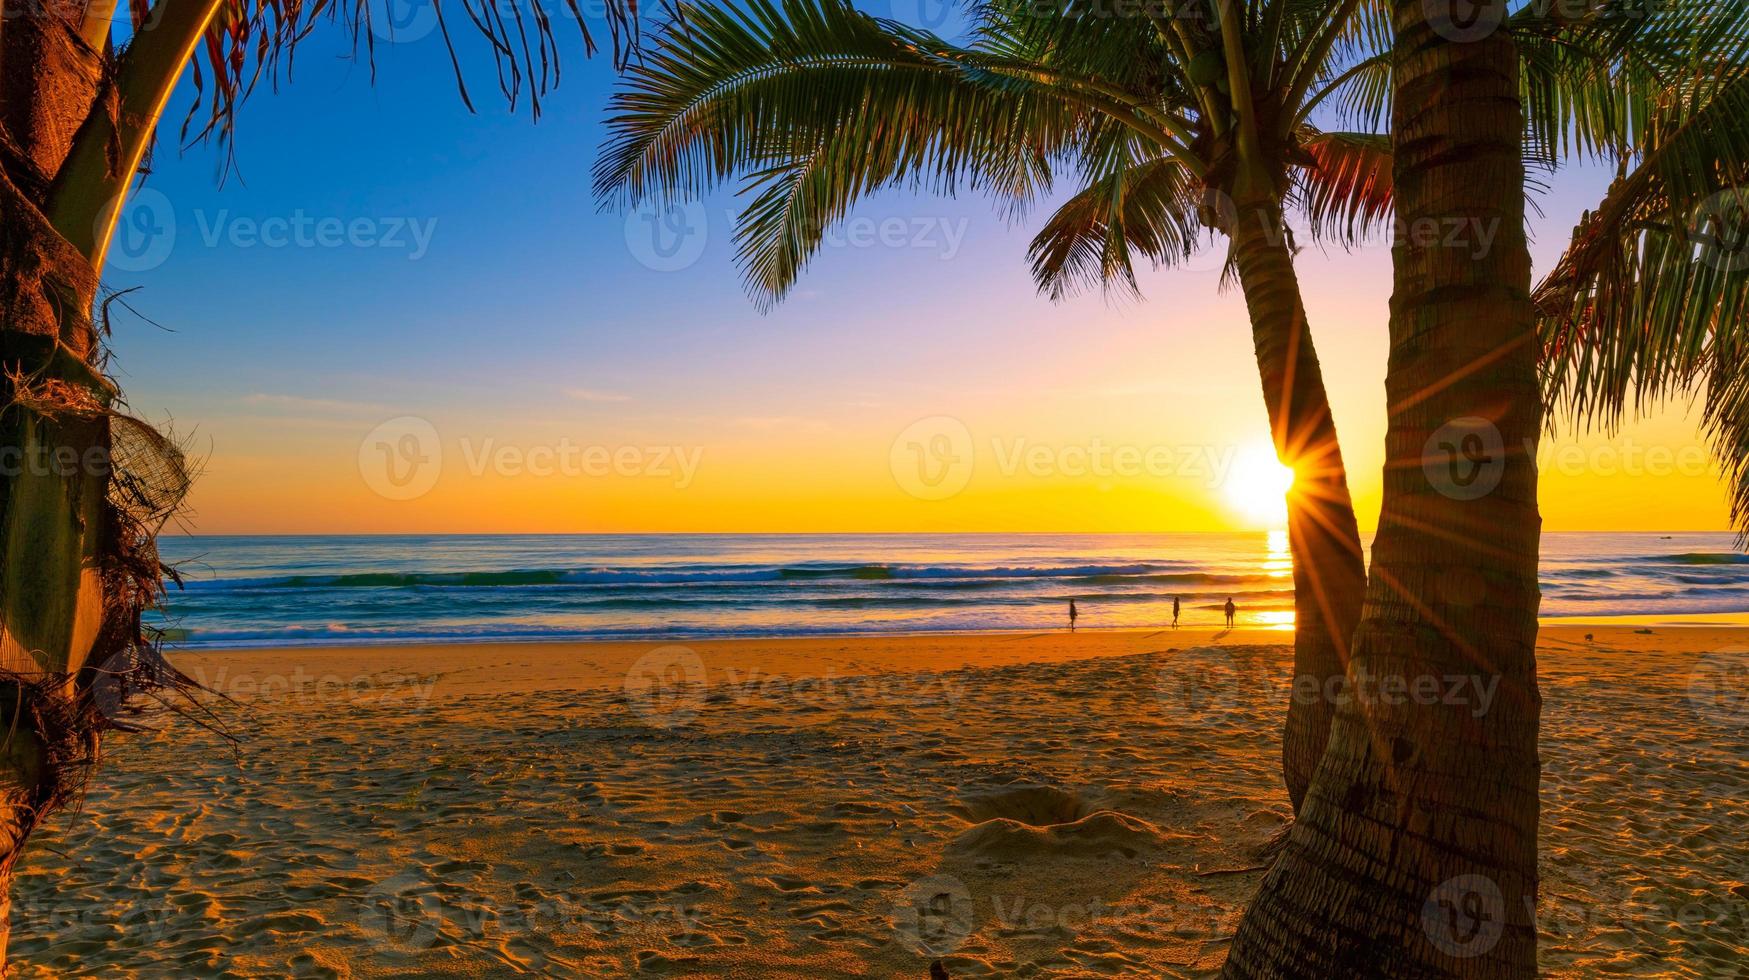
x,y
527,313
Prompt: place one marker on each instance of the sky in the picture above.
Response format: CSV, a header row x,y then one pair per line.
x,y
396,316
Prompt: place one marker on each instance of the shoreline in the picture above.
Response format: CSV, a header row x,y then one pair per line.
x,y
444,670
1707,620
1247,634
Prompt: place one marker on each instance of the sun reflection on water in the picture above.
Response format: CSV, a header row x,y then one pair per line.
x,y
1279,563
1276,619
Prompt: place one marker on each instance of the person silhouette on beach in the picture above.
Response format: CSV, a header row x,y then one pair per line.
x,y
1174,612
1072,615
1231,610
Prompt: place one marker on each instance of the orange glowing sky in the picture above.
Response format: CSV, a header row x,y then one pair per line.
x,y
526,328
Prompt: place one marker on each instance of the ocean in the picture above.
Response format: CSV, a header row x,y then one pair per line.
x,y
327,590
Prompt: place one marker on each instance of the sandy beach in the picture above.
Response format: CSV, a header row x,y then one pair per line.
x,y
1027,804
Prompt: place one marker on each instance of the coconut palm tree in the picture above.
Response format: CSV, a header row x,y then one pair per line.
x,y
1185,118
1651,299
84,488
1415,852
820,104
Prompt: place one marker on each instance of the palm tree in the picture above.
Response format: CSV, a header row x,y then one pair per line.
x,y
78,113
1198,119
1651,299
1415,853
820,104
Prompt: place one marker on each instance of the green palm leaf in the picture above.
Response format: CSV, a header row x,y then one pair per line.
x,y
1345,191
1651,299
1142,207
817,105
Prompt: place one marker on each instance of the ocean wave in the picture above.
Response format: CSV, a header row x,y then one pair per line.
x,y
1560,573
1098,574
268,592
1704,558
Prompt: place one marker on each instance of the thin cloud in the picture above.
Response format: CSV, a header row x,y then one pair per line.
x,y
297,403
780,422
595,395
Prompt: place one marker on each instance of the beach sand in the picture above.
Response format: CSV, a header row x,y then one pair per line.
x,y
1045,805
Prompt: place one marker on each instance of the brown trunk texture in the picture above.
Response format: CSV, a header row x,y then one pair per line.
x,y
52,514
1415,852
49,78
1329,570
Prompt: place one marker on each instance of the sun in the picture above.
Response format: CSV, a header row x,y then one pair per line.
x,y
1256,486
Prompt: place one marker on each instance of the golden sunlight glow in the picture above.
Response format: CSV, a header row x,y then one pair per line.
x,y
1257,485
1280,563
1276,619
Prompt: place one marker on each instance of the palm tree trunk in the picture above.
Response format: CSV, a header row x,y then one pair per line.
x,y
49,76
1329,570
53,531
24,791
53,476
1415,853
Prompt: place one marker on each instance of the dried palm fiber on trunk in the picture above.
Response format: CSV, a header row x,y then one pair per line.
x,y
46,286
49,76
147,477
51,395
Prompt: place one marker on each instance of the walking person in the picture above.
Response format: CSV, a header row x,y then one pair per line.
x,y
1072,615
1174,612
1231,610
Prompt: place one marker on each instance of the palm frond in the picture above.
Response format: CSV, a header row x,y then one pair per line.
x,y
1345,192
1593,74
1651,298
1145,207
817,105
1364,34
1081,35
254,40
1358,95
